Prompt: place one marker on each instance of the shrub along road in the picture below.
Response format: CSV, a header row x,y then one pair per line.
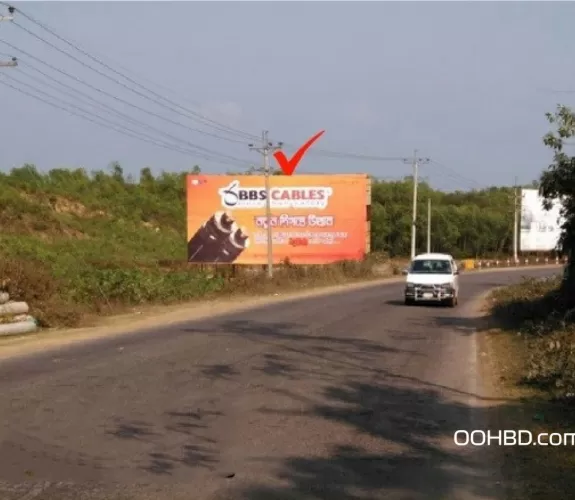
x,y
345,396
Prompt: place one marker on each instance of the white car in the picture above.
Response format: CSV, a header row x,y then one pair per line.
x,y
432,277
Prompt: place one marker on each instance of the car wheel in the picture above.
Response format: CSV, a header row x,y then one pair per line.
x,y
409,302
452,302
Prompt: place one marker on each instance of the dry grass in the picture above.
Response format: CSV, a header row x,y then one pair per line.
x,y
113,288
526,366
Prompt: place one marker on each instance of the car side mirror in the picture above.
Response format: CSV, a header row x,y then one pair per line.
x,y
405,272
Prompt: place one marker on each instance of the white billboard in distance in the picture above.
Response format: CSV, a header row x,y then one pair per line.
x,y
540,229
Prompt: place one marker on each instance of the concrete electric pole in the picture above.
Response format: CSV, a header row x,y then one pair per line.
x,y
415,162
9,17
515,223
265,150
12,62
428,225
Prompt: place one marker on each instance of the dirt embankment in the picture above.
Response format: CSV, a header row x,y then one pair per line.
x,y
525,358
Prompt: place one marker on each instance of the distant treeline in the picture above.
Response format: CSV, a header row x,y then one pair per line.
x,y
464,223
475,223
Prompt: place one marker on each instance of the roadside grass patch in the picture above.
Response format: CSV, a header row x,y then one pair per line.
x,y
532,361
71,288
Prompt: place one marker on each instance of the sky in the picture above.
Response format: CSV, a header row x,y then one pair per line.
x,y
467,84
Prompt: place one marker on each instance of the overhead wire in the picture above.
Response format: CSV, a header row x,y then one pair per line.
x,y
104,107
83,97
450,172
173,106
199,131
119,99
122,129
2,82
103,122
215,124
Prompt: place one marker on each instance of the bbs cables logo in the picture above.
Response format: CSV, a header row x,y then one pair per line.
x,y
235,196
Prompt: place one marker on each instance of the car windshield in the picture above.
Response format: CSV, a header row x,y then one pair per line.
x,y
431,266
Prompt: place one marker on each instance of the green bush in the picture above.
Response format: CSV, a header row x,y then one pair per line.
x,y
536,311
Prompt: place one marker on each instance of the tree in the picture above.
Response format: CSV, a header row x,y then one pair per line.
x,y
558,182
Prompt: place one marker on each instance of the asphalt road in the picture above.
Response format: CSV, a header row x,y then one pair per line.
x,y
348,396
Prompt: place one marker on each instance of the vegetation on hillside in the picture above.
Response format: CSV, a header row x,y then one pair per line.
x,y
74,242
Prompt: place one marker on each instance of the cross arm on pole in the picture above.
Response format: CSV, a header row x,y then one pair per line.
x,y
9,64
266,148
10,16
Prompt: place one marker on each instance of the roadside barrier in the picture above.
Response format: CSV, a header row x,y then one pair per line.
x,y
470,264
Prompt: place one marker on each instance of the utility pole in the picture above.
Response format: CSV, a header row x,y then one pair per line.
x,y
415,162
515,223
428,225
265,150
10,17
13,62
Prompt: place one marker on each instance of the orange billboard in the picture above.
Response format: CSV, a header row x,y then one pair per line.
x,y
315,219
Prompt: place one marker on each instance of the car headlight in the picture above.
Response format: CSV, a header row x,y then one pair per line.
x,y
409,285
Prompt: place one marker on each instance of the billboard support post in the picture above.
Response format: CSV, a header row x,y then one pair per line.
x,y
265,150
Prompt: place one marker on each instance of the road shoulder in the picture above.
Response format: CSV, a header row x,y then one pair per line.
x,y
528,472
155,316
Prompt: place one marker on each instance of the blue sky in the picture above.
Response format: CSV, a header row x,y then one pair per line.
x,y
463,82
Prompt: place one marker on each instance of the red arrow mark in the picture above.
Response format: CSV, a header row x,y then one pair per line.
x,y
288,166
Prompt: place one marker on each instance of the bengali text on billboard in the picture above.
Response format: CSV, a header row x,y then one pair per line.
x,y
540,228
315,219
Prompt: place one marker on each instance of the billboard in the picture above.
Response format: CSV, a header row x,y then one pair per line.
x,y
540,229
316,219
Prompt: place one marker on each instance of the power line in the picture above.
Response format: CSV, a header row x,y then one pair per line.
x,y
213,123
351,156
126,70
553,91
79,80
94,102
456,175
106,123
159,98
199,131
